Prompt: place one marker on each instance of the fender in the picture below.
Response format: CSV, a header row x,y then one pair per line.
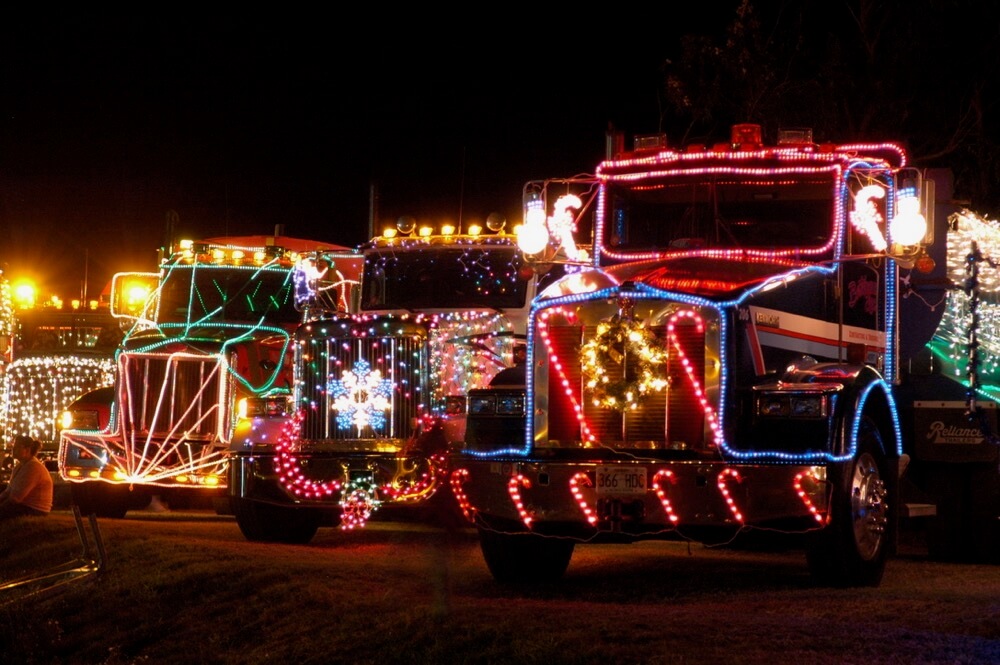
x,y
865,392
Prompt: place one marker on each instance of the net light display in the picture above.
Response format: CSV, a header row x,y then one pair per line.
x,y
6,319
37,388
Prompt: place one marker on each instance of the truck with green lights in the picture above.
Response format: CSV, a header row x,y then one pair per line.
x,y
213,338
765,340
378,397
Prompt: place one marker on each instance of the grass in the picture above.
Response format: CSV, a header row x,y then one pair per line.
x,y
192,590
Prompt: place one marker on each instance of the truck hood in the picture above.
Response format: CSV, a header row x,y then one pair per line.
x,y
205,340
709,277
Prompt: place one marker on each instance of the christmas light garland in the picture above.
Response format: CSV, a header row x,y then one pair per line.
x,y
617,341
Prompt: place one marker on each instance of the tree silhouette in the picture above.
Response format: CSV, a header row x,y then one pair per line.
x,y
921,73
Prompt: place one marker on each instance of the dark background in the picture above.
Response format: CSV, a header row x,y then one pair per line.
x,y
331,121
240,123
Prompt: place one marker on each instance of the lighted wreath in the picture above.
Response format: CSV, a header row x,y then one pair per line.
x,y
616,340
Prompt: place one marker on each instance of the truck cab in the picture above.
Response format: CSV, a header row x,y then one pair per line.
x,y
379,396
215,331
719,366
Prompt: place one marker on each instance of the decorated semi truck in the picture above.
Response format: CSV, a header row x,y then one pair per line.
x,y
60,353
767,340
215,333
379,395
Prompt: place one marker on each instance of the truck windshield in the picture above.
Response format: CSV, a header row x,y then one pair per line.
x,y
214,294
444,278
720,211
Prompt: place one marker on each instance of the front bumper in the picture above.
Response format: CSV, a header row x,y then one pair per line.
x,y
86,456
646,500
322,479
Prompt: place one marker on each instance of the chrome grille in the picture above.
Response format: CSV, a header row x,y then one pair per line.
x,y
175,395
668,419
402,366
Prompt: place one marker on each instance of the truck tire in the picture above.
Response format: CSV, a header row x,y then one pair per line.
x,y
525,558
851,551
109,501
261,522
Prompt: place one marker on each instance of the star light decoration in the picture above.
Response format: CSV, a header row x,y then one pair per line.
x,y
361,397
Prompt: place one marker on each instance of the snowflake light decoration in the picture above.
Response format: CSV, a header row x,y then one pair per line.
x,y
361,397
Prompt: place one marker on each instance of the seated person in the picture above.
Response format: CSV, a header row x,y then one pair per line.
x,y
516,375
30,488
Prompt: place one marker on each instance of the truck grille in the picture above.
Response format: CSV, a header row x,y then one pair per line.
x,y
175,396
671,418
364,389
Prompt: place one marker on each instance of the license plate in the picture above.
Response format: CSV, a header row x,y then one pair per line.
x,y
621,480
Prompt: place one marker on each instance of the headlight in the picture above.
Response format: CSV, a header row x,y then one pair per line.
x,y
482,404
510,405
263,407
79,419
792,405
810,406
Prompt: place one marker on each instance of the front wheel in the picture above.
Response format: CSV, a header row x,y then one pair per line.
x,y
261,522
522,558
851,551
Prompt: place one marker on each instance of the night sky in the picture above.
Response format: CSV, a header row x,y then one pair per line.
x,y
241,123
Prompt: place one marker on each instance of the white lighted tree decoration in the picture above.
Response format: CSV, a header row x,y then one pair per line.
x,y
361,397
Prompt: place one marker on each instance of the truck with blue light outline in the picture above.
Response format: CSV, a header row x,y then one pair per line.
x,y
378,399
213,339
763,342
